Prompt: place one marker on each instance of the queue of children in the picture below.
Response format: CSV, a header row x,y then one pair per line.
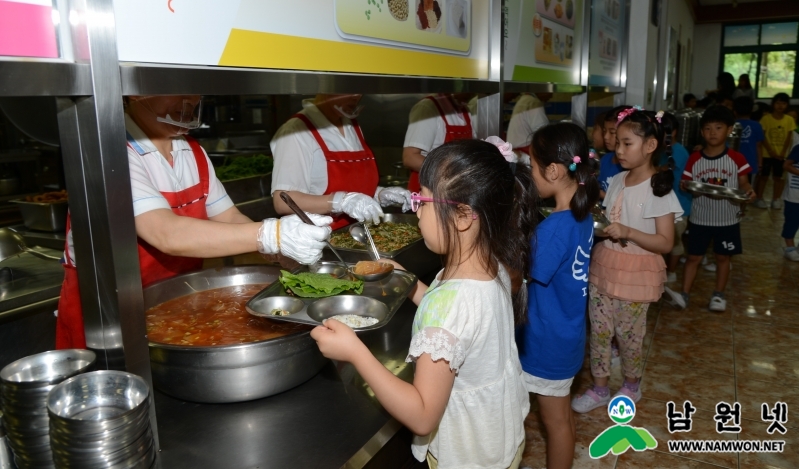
x,y
500,319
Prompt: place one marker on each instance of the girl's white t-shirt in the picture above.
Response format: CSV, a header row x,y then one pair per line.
x,y
469,323
640,206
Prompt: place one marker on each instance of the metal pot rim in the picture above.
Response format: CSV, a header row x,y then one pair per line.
x,y
230,347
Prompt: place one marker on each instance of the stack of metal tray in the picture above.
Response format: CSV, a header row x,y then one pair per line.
x,y
712,190
414,257
391,292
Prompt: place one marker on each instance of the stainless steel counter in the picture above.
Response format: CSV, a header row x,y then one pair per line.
x,y
331,421
32,280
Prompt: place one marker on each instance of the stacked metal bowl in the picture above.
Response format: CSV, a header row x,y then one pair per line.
x,y
101,420
25,385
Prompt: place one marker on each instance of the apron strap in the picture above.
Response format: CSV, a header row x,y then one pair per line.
x,y
314,132
202,163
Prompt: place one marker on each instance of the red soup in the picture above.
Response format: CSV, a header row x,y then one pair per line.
x,y
213,317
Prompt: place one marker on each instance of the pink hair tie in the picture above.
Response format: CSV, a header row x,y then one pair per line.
x,y
581,183
575,161
505,148
623,114
659,117
592,154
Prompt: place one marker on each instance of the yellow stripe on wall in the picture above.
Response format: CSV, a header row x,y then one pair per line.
x,y
267,50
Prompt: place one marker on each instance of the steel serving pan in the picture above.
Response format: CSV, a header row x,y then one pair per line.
x,y
415,257
229,373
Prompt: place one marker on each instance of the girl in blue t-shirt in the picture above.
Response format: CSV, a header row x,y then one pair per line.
x,y
552,342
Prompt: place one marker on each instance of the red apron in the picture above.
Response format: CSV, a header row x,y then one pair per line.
x,y
453,132
154,264
350,171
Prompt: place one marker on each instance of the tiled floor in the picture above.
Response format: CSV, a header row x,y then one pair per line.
x,y
748,354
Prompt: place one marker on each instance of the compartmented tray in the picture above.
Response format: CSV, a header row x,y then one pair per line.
x,y
716,191
379,300
415,257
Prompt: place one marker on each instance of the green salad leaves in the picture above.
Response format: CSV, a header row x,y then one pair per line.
x,y
244,166
308,285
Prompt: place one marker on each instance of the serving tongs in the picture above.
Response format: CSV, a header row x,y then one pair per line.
x,y
597,211
300,213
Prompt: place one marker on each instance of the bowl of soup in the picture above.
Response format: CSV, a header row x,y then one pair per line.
x,y
205,346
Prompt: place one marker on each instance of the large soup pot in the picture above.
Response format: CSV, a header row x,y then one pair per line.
x,y
229,373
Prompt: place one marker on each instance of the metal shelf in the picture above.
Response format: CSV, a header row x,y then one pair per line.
x,y
29,77
521,87
155,79
605,89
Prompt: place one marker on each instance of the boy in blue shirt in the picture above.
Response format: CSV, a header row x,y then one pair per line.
x,y
609,166
751,133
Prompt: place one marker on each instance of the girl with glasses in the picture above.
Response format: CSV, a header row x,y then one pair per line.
x,y
467,402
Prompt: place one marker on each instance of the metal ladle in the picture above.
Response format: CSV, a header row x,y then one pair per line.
x,y
360,233
296,208
13,244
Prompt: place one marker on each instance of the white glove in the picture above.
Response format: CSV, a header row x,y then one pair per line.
x,y
394,196
295,239
359,206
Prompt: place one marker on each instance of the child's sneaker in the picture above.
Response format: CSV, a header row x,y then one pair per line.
x,y
589,401
625,391
792,254
760,203
672,277
776,204
678,300
717,303
710,267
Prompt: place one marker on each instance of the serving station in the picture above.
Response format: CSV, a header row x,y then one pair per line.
x,y
277,402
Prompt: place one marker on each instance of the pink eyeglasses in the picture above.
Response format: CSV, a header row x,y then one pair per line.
x,y
417,199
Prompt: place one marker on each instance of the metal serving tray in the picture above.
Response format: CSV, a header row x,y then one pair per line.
x,y
391,292
415,257
721,192
599,224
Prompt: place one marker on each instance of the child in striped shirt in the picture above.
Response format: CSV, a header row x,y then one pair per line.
x,y
714,219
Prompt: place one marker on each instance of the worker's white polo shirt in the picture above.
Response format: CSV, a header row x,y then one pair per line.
x,y
151,174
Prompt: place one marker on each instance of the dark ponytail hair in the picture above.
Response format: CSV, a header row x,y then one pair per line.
x,y
645,125
500,194
559,144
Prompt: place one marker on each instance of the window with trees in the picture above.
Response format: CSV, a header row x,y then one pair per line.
x,y
766,52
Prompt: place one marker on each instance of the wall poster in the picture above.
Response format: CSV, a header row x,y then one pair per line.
x,y
443,38
544,39
607,37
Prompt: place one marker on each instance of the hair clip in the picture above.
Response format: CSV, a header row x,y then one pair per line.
x,y
659,117
626,112
592,154
505,148
575,161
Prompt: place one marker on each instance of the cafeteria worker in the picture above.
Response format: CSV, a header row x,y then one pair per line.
x,y
434,121
323,162
182,212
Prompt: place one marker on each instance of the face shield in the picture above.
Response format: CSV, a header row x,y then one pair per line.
x,y
188,117
346,105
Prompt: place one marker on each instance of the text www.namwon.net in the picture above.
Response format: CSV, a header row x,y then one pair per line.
x,y
726,446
